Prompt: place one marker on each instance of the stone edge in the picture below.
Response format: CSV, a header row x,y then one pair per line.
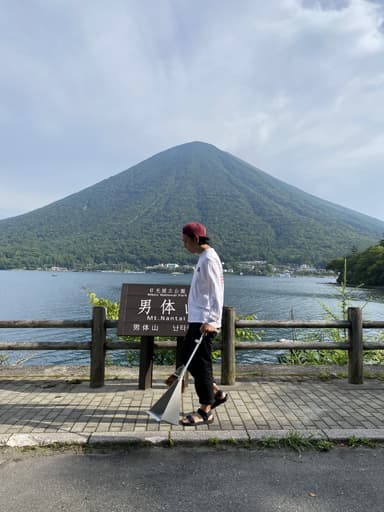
x,y
185,437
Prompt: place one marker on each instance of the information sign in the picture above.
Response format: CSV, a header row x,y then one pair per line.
x,y
153,310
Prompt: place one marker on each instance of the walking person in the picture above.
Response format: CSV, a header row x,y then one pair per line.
x,y
205,305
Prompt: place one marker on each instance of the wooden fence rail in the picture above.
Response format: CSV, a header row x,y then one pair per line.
x,y
98,344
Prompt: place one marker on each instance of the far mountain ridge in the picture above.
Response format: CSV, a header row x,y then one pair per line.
x,y
134,218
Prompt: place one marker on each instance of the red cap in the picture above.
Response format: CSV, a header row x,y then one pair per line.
x,y
194,230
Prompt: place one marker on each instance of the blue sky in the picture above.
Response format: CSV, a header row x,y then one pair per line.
x,y
89,88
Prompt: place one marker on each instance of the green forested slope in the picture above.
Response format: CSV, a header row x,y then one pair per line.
x,y
364,268
135,218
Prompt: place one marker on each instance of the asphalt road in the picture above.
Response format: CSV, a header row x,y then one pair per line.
x,y
193,479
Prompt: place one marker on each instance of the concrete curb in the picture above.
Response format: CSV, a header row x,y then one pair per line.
x,y
59,439
182,438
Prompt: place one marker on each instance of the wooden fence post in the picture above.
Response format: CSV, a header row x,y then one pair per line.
x,y
228,352
99,336
146,361
355,352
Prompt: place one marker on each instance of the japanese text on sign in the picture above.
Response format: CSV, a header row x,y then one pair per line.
x,y
152,310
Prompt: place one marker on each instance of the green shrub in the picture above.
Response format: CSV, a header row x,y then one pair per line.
x,y
329,357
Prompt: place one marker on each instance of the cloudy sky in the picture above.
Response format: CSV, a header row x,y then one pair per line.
x,y
89,88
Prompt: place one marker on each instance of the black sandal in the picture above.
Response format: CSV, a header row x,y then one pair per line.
x,y
171,379
220,398
174,376
199,417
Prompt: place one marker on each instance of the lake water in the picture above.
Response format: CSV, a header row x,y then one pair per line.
x,y
33,295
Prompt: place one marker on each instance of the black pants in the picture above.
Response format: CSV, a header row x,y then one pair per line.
x,y
201,365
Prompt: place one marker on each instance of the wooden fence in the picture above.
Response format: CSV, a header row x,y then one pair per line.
x,y
98,344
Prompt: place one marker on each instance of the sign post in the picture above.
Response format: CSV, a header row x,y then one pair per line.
x,y
148,311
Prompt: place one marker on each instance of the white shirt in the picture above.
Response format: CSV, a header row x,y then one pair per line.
x,y
206,295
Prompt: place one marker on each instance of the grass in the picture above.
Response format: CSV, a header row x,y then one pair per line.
x,y
296,442
356,442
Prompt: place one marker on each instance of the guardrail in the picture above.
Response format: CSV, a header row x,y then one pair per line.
x,y
355,344
98,344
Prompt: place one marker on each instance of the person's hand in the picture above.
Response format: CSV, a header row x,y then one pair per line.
x,y
207,328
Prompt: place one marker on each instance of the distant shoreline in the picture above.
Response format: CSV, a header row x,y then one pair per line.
x,y
293,274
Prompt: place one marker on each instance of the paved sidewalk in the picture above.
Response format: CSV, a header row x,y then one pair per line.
x,y
46,410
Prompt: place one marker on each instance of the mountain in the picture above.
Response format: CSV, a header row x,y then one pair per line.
x,y
135,217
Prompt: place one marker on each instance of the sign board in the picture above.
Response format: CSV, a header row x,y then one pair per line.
x,y
153,310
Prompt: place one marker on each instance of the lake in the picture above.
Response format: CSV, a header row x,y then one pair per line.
x,y
34,295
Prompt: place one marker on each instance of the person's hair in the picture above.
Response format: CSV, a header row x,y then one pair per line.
x,y
203,240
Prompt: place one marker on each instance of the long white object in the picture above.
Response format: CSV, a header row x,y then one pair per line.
x,y
167,408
